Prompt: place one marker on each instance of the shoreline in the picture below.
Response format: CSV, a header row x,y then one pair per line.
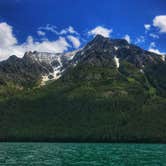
x,y
83,141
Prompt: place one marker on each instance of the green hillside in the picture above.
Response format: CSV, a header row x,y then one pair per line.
x,y
89,103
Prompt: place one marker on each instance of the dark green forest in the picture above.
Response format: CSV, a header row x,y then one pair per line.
x,y
89,103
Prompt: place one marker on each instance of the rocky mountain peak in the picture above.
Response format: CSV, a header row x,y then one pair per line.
x,y
100,39
104,42
13,58
102,51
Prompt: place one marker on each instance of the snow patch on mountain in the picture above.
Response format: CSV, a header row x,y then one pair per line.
x,y
116,48
43,56
44,80
56,61
142,71
51,76
163,57
117,61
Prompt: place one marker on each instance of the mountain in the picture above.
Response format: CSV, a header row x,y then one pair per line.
x,y
109,90
39,67
101,50
33,68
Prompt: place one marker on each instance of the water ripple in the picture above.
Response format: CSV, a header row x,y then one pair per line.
x,y
63,154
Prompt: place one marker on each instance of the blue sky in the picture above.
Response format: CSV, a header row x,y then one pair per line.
x,y
69,24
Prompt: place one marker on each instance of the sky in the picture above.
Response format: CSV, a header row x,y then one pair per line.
x,y
66,25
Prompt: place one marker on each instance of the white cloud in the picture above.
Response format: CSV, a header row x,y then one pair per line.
x,y
71,30
152,45
9,46
147,27
154,36
6,37
152,48
75,41
50,28
160,22
140,39
59,45
41,33
99,30
29,40
127,37
53,29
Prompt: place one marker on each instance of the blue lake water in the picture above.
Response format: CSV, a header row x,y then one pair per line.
x,y
82,154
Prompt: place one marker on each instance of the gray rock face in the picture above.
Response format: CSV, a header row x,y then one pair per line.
x,y
32,67
102,52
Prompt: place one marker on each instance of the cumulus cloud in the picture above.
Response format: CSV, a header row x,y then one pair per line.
x,y
41,33
9,45
160,22
6,36
75,41
59,45
99,30
147,27
127,37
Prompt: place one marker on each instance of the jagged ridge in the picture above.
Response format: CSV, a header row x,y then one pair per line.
x,y
37,67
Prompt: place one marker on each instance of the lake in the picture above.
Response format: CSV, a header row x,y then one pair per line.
x,y
82,154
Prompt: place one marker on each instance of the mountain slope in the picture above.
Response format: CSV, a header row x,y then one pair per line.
x,y
95,99
103,49
33,68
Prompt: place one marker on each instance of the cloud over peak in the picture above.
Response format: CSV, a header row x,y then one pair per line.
x,y
127,38
99,30
9,45
65,39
